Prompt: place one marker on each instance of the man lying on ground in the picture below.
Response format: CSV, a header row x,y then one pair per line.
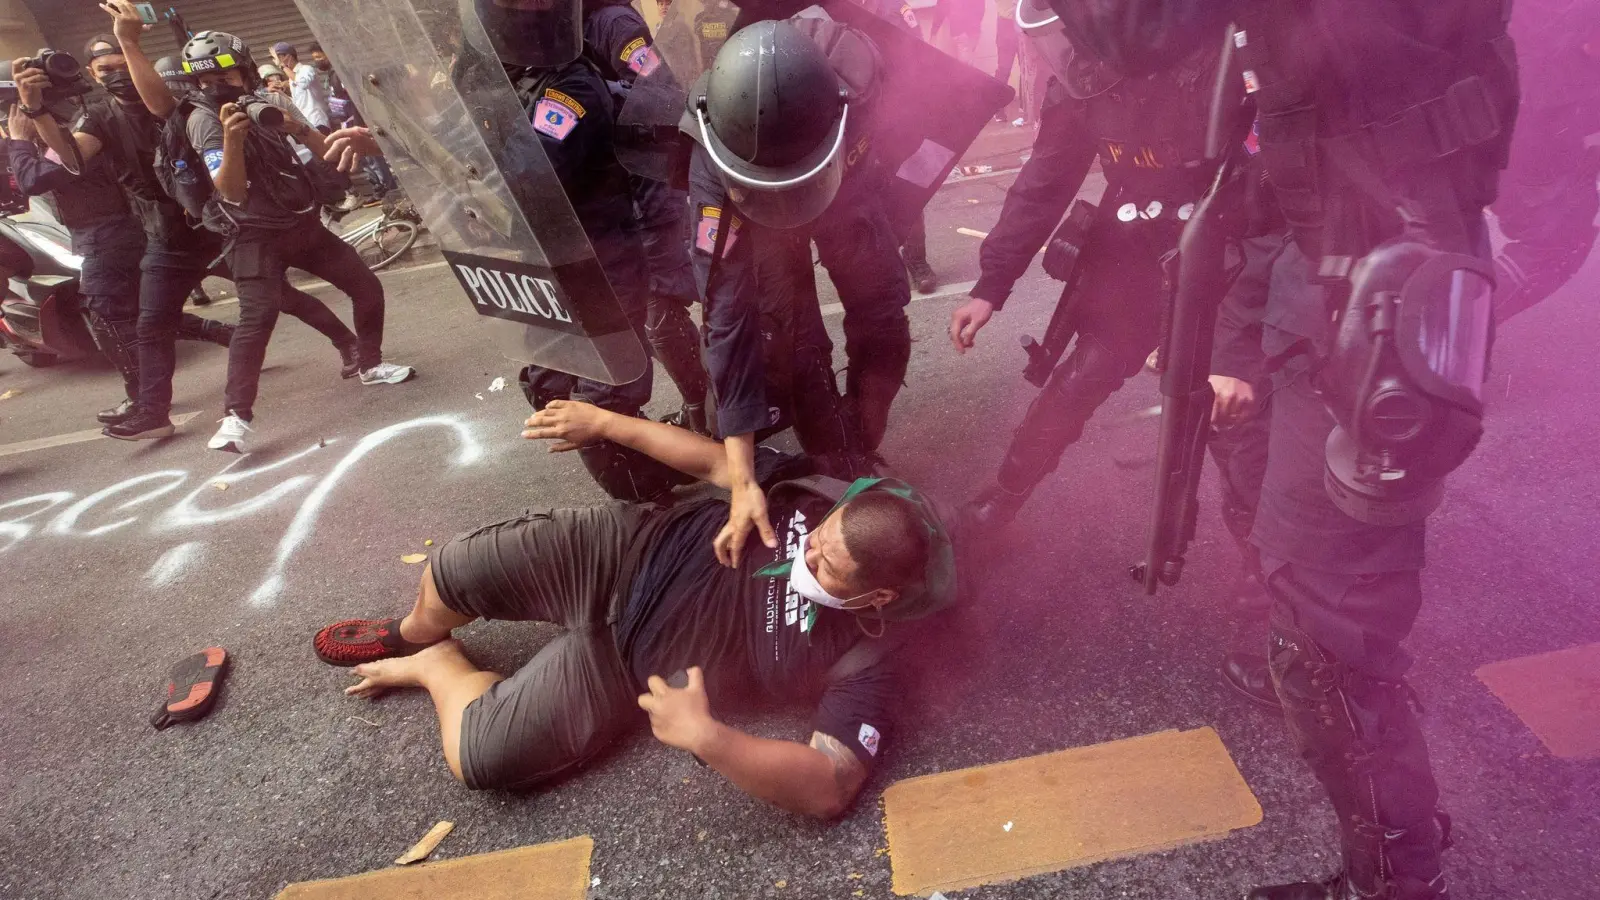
x,y
642,595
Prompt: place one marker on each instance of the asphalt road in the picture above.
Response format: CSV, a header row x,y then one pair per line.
x,y
129,557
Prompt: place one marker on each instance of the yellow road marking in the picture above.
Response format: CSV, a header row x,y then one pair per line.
x,y
73,437
1006,821
558,871
1556,694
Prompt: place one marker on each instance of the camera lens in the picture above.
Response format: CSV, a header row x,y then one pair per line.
x,y
263,113
60,66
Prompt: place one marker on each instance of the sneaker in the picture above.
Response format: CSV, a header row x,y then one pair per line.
x,y
387,373
233,436
922,277
349,360
116,415
141,426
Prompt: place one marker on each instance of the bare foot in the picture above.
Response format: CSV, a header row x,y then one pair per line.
x,y
401,671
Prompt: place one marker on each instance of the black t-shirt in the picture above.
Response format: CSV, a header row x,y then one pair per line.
x,y
755,638
129,133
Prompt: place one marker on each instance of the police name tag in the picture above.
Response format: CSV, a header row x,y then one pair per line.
x,y
513,291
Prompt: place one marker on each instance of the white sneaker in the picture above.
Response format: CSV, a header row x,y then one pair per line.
x,y
233,436
387,373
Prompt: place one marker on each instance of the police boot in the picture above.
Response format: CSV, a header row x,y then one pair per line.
x,y
676,346
877,369
1361,736
195,328
1054,420
1249,675
116,341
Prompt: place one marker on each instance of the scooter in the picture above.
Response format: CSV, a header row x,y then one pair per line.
x,y
40,316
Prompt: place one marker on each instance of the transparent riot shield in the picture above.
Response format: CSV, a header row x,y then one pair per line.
x,y
647,127
426,80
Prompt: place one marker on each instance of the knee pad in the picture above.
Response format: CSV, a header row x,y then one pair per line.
x,y
541,385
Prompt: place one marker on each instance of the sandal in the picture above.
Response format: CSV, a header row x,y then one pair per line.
x,y
356,641
192,688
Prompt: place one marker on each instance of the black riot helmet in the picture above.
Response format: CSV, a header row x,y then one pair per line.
x,y
1404,379
170,68
219,51
540,34
771,114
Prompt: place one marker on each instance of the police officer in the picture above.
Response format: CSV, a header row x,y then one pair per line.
x,y
780,163
267,200
620,45
106,235
1383,127
571,110
178,253
1548,196
1149,135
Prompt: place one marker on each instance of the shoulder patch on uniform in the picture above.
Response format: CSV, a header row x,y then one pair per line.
x,y
907,14
868,739
705,232
640,56
213,160
556,114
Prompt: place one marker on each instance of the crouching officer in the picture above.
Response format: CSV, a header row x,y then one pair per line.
x,y
620,45
1382,172
267,202
1149,135
571,110
782,159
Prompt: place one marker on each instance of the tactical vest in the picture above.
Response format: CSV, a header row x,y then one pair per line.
x,y
1354,145
1151,131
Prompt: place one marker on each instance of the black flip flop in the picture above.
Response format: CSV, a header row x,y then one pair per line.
x,y
192,688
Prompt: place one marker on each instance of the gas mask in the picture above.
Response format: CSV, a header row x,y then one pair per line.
x,y
806,585
1404,380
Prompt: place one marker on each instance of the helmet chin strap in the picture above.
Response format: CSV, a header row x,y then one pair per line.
x,y
838,142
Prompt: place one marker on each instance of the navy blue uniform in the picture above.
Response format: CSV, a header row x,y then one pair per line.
x,y
856,244
571,111
1148,134
1344,94
619,42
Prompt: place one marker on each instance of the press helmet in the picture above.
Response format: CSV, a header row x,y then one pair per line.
x,y
216,51
771,114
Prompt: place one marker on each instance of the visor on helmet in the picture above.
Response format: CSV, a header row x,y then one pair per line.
x,y
779,198
536,33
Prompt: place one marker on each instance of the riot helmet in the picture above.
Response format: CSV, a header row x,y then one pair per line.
x,y
771,114
1081,75
170,68
1404,379
210,54
540,34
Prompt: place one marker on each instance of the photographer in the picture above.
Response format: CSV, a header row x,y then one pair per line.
x,y
267,197
178,255
108,237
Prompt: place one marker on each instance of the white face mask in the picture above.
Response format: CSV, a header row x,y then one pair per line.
x,y
806,584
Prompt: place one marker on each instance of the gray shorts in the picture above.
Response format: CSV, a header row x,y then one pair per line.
x,y
575,696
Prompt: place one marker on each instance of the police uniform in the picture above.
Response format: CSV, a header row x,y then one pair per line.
x,y
571,111
1415,115
1149,135
855,243
619,43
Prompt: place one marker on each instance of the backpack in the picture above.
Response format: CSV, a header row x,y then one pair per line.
x,y
182,173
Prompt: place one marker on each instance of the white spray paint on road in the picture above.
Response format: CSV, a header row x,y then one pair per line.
x,y
173,563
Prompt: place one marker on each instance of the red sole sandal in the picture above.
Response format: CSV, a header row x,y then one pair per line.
x,y
356,641
192,688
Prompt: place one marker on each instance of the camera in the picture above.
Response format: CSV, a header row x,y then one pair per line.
x,y
260,111
63,70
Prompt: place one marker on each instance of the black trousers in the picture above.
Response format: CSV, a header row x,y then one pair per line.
x,y
259,261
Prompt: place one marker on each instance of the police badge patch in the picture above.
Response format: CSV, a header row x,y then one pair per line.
x,y
640,57
556,114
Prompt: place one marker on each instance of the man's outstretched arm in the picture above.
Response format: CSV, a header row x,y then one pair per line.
x,y
573,423
820,779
